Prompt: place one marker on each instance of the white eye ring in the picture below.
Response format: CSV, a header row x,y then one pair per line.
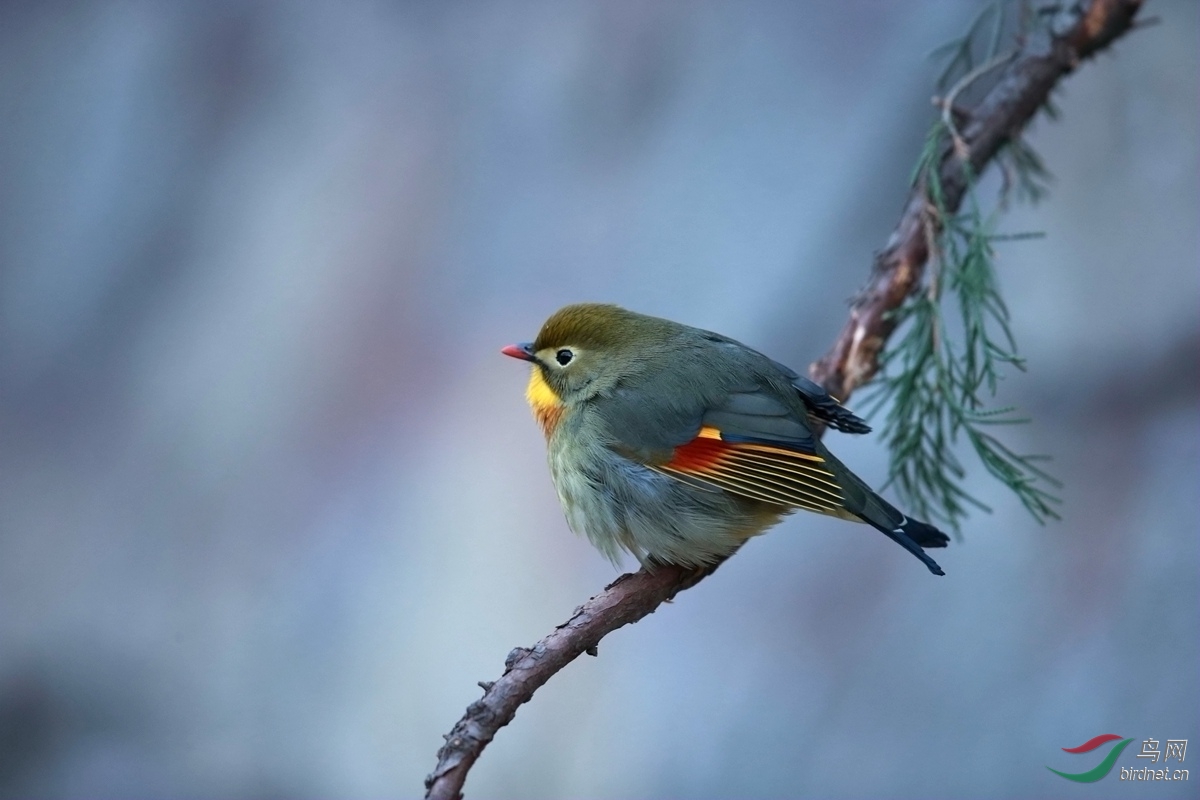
x,y
564,356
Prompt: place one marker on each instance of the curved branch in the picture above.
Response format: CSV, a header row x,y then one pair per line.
x,y
1080,31
625,600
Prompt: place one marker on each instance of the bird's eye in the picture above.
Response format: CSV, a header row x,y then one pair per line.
x,y
563,357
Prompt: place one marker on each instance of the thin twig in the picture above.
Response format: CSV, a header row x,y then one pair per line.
x,y
947,103
853,360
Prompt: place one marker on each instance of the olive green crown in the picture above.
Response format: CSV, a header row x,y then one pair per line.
x,y
596,326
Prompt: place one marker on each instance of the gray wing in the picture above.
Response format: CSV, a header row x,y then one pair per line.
x,y
729,387
751,438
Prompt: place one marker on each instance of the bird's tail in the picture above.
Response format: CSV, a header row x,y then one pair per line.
x,y
911,534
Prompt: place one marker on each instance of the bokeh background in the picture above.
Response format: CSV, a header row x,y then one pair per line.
x,y
271,502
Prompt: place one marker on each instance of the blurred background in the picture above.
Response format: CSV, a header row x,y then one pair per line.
x,y
271,501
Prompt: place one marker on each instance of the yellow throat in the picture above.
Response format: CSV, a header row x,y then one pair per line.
x,y
546,405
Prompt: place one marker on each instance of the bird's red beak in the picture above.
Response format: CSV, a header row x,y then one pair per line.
x,y
523,351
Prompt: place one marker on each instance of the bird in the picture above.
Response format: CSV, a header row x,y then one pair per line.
x,y
676,444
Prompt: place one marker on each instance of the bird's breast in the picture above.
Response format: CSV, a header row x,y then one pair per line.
x,y
544,401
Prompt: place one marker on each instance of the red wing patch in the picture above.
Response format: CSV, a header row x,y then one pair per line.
x,y
758,471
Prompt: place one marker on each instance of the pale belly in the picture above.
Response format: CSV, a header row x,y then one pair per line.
x,y
619,504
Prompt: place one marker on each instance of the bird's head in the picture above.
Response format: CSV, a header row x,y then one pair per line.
x,y
585,349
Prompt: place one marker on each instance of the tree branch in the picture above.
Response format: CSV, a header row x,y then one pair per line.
x,y
1077,33
1081,31
625,600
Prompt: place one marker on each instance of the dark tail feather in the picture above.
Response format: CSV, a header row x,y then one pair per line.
x,y
903,536
925,534
864,503
912,534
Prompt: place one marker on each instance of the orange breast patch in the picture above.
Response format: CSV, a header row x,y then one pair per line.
x,y
548,417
